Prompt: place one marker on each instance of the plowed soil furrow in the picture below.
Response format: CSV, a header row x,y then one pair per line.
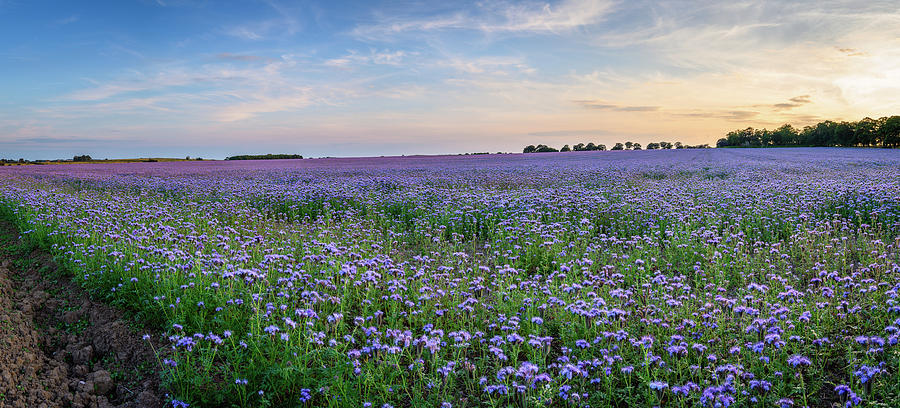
x,y
58,348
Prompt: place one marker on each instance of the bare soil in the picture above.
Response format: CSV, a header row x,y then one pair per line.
x,y
59,348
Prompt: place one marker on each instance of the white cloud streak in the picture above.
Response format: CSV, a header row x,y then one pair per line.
x,y
497,18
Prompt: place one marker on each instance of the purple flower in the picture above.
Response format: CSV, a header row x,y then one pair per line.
x,y
797,360
658,385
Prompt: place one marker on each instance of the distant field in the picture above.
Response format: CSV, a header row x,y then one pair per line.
x,y
756,277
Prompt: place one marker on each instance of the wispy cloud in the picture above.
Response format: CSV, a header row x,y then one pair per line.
x,y
240,57
136,82
209,93
495,17
486,65
593,104
67,20
852,52
284,24
262,103
735,115
794,102
66,140
248,33
383,57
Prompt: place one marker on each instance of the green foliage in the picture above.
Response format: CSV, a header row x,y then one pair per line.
x,y
590,147
867,132
264,157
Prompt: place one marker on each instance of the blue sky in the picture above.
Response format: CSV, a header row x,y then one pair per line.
x,y
201,78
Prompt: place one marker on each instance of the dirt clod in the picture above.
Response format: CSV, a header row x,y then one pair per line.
x,y
103,383
71,317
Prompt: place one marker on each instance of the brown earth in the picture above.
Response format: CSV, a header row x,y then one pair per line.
x,y
59,348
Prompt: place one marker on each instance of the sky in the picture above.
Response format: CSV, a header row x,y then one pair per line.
x,y
171,78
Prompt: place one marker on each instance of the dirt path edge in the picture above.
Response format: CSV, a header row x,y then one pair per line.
x,y
59,348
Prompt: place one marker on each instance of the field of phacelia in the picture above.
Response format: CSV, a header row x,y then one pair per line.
x,y
747,277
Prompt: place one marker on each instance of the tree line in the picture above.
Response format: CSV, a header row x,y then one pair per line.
x,y
868,132
581,147
264,157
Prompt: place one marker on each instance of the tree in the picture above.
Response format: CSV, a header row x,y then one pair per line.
x,y
544,149
763,137
866,131
844,134
652,146
884,132
786,135
823,135
82,158
664,145
618,146
889,131
529,149
743,137
579,147
269,156
590,147
565,148
636,146
628,145
678,145
601,147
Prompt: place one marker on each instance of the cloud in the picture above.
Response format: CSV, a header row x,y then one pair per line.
x,y
285,24
637,108
718,61
852,52
137,82
208,93
483,65
64,140
384,57
591,104
764,36
262,103
68,20
245,33
792,103
805,119
242,58
734,115
573,133
497,17
567,15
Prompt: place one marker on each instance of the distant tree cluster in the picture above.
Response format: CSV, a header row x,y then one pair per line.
x,y
581,147
538,149
868,132
13,161
477,153
264,157
4,162
82,158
